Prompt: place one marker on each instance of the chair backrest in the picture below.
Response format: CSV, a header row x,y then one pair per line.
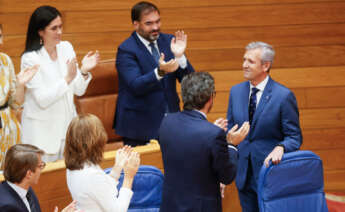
x,y
147,189
295,184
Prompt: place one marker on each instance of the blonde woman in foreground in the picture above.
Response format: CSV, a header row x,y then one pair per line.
x,y
87,182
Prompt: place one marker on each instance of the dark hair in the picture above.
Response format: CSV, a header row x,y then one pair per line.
x,y
18,160
142,7
196,88
39,20
85,141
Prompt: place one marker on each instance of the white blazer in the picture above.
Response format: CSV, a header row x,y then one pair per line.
x,y
49,105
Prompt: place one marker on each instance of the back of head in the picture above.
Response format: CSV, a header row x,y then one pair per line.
x,y
142,7
85,141
197,88
19,159
39,20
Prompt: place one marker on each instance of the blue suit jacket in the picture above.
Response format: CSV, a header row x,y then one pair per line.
x,y
275,121
196,159
142,99
10,201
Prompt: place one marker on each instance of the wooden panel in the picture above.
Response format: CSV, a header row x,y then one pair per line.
x,y
309,118
332,158
260,15
321,139
295,35
334,181
85,5
286,57
290,77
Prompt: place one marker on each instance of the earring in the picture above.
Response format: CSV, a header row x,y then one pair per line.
x,y
41,41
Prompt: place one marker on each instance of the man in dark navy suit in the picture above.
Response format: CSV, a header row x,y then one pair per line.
x,y
197,155
272,112
22,169
148,63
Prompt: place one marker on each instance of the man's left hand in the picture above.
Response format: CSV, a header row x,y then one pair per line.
x,y
179,44
276,156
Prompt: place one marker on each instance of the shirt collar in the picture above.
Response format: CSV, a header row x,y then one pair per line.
x,y
261,86
20,191
202,113
145,42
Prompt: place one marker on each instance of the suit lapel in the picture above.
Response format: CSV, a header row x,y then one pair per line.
x,y
265,98
15,196
245,102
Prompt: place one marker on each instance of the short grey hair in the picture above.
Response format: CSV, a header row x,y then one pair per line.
x,y
267,51
196,88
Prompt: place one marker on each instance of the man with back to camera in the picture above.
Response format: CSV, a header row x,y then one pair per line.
x,y
197,155
272,112
148,64
22,169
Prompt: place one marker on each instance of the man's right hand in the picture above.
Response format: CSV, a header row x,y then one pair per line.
x,y
168,67
235,136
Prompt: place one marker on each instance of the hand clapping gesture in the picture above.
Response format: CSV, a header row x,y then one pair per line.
x,y
25,76
121,159
235,136
179,43
90,60
167,67
71,70
133,164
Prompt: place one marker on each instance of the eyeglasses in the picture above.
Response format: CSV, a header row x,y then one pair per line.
x,y
42,165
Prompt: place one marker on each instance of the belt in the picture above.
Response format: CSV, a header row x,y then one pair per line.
x,y
4,106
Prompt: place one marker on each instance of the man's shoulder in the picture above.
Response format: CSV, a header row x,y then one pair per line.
x,y
281,89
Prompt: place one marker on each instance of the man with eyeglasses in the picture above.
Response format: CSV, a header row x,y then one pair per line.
x,y
22,169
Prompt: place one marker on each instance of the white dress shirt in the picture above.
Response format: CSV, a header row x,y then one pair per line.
x,y
261,86
182,61
21,192
96,191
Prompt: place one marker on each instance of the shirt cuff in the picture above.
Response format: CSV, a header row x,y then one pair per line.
x,y
182,61
232,147
157,75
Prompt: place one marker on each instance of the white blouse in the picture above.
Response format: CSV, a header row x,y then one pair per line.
x,y
96,191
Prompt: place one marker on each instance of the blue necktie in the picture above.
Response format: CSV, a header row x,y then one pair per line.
x,y
154,52
252,104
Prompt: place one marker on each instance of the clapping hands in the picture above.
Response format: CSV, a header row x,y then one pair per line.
x,y
25,76
235,136
179,43
90,60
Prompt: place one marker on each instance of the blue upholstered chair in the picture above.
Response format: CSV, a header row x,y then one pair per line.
x,y
295,184
147,189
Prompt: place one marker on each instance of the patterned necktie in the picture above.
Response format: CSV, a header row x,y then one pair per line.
x,y
252,104
154,51
31,202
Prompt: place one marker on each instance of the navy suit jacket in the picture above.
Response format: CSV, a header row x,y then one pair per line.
x,y
10,201
196,159
142,99
275,121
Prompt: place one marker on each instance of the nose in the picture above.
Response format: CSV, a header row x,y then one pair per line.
x,y
59,31
245,64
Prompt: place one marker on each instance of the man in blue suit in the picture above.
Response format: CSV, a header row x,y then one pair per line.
x,y
272,112
197,155
148,63
22,169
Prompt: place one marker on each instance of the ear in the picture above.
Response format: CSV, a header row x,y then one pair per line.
x,y
136,25
40,33
266,66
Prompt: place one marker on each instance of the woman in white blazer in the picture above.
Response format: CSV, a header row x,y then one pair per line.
x,y
49,105
88,184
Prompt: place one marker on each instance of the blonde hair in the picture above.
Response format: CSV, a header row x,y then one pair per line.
x,y
85,141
